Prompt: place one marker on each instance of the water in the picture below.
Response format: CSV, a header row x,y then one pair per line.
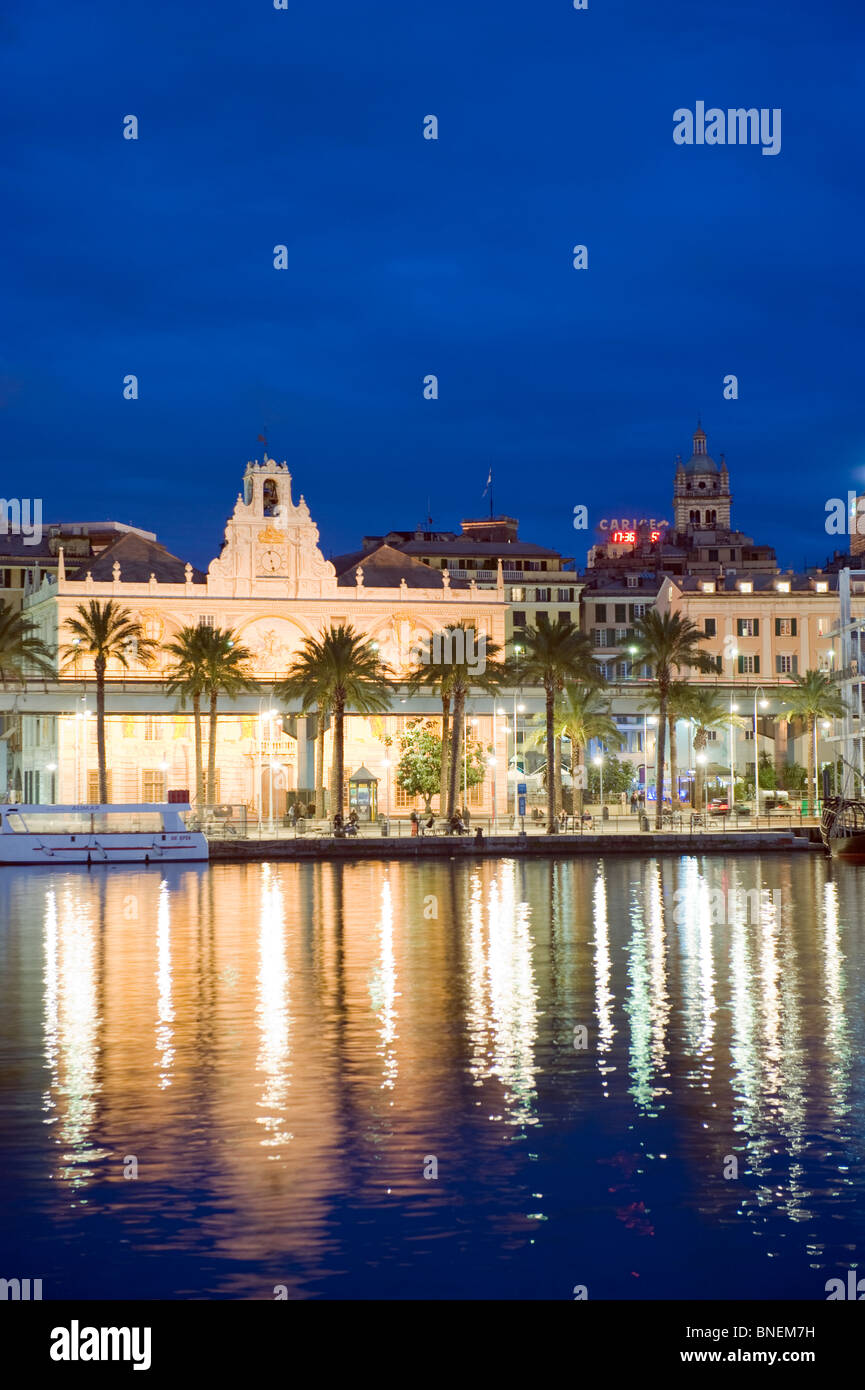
x,y
283,1050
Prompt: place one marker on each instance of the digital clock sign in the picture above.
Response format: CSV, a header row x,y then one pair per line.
x,y
630,537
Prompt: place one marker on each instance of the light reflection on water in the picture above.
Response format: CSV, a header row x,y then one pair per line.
x,y
283,1048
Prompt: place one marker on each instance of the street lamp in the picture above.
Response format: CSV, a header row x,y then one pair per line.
x,y
493,762
647,721
264,716
763,705
701,759
733,709
599,764
386,765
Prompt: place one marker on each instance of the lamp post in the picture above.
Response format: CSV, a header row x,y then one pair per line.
x,y
733,708
386,765
647,721
267,716
763,704
599,764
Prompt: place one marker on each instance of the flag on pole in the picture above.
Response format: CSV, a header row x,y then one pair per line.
x,y
489,482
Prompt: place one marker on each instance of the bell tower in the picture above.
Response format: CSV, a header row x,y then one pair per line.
x,y
701,491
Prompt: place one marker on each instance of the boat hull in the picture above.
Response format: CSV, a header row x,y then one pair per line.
x,y
57,850
848,847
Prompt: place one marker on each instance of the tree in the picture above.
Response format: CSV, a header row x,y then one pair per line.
x,y
438,675
679,704
20,649
420,758
553,654
226,672
667,642
105,632
186,678
344,670
708,711
582,715
310,680
814,696
618,777
455,676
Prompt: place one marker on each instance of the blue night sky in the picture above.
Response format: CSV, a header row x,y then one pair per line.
x,y
409,257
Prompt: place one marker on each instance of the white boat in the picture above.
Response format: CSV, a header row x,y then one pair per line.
x,y
153,833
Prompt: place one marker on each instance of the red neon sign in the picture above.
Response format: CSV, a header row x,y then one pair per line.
x,y
630,537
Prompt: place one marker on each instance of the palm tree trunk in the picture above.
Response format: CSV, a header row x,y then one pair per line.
x,y
699,745
576,771
338,754
456,738
443,783
810,790
660,754
320,811
211,750
100,732
558,773
199,752
674,766
551,757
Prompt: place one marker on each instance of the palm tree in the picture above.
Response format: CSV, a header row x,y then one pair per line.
x,y
106,632
438,674
186,678
678,707
463,679
554,654
20,649
347,666
309,680
225,671
814,696
668,642
708,711
581,715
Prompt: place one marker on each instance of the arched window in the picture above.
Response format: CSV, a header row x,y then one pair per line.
x,y
270,496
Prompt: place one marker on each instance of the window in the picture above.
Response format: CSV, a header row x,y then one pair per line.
x,y
476,795
710,627
621,615
785,627
564,616
152,786
748,627
600,612
787,665
713,554
518,595
542,596
633,581
783,586
205,620
821,627
639,610
821,586
519,617
708,586
151,728
623,670
93,785
565,595
745,586
749,665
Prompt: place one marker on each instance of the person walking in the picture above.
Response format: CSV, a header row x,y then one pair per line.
x,y
415,823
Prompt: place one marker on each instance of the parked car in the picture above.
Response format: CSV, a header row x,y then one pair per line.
x,y
720,806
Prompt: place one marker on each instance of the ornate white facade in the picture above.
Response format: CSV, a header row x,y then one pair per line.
x,y
273,587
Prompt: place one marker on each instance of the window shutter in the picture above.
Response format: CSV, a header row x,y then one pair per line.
x,y
777,627
793,620
756,665
756,627
795,665
741,661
